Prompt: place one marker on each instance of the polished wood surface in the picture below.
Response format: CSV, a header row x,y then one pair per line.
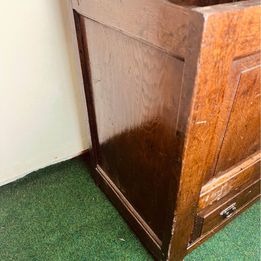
x,y
173,93
136,93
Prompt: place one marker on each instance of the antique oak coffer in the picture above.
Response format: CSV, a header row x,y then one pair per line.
x,y
173,92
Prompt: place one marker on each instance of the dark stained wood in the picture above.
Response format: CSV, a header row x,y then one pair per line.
x,y
211,216
166,87
136,222
133,105
86,74
215,229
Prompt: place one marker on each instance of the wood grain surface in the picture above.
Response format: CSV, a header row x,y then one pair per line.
x,y
157,22
173,101
242,136
225,37
136,89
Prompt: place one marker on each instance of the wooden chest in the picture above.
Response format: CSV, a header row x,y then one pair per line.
x,y
173,97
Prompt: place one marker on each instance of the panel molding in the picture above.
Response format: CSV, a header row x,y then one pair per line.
x,y
252,191
237,67
159,23
235,129
136,222
220,186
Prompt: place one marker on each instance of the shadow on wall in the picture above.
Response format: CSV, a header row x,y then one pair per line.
x,y
73,57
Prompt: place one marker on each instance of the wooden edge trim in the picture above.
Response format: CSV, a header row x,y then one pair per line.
x,y
189,184
225,7
135,221
158,23
205,213
219,187
86,74
128,205
225,177
197,231
247,11
202,239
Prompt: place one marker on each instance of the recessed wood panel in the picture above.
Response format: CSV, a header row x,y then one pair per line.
x,y
136,92
242,136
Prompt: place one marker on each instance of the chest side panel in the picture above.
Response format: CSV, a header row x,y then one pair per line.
x,y
136,92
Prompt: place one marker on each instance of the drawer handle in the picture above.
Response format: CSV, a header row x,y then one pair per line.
x,y
226,213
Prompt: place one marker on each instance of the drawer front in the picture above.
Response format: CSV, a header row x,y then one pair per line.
x,y
224,210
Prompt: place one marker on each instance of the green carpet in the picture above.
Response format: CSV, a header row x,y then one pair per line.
x,y
59,214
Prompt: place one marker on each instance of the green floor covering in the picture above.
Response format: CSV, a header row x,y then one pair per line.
x,y
59,214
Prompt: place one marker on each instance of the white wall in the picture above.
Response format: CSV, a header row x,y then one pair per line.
x,y
43,118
